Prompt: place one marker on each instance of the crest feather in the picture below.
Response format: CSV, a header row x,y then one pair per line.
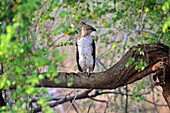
x,y
83,23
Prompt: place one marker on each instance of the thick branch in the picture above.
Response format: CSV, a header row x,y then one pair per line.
x,y
116,76
155,55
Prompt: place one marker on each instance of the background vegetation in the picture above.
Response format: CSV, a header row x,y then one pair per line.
x,y
39,35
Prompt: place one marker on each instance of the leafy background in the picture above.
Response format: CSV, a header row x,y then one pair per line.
x,y
39,36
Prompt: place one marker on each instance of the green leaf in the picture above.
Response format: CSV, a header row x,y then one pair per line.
x,y
70,43
41,76
165,6
134,93
114,45
142,68
56,81
140,99
70,83
131,60
62,14
133,98
30,90
131,39
136,67
146,9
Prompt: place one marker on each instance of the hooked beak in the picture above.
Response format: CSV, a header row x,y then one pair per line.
x,y
93,29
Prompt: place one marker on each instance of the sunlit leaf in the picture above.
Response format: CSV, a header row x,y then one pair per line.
x,y
144,34
103,20
14,8
66,33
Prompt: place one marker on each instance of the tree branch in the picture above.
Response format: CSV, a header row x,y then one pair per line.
x,y
85,94
66,99
116,76
155,55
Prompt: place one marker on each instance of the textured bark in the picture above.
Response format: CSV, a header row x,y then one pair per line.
x,y
166,93
155,55
164,82
118,75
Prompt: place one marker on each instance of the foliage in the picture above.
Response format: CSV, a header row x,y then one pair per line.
x,y
19,57
23,38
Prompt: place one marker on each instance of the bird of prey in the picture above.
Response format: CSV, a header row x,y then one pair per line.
x,y
86,49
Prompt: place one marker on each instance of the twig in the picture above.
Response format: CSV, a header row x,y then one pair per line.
x,y
71,103
109,99
66,99
132,31
70,93
153,95
121,99
101,63
126,105
99,67
88,111
85,95
56,40
137,108
75,107
103,27
155,103
98,100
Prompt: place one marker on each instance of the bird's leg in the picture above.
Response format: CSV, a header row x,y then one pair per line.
x,y
84,71
88,72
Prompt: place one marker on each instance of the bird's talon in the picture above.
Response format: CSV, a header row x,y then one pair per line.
x,y
88,74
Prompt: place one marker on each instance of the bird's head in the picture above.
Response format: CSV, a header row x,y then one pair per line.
x,y
86,29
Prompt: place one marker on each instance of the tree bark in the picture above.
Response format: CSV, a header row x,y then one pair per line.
x,y
155,55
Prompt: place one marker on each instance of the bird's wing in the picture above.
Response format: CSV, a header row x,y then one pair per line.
x,y
77,58
94,53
